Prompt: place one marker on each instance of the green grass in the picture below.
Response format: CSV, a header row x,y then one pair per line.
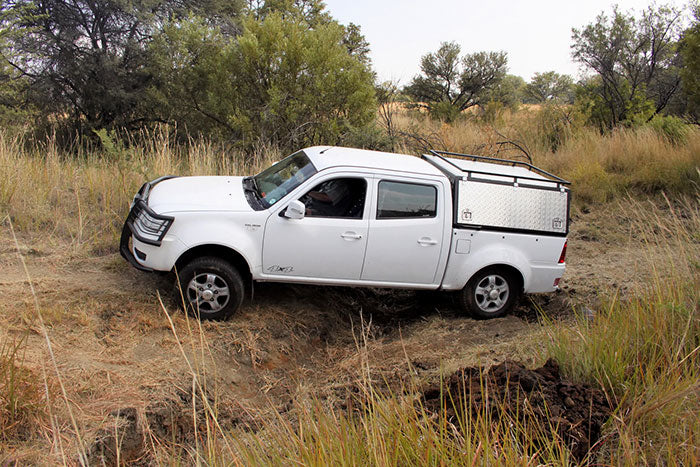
x,y
645,350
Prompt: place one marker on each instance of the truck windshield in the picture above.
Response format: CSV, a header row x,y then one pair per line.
x,y
276,181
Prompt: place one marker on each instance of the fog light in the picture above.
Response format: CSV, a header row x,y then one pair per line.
x,y
556,281
140,254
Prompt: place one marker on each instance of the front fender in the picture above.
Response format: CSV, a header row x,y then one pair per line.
x,y
230,230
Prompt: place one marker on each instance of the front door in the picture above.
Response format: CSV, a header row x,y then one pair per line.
x,y
406,233
329,242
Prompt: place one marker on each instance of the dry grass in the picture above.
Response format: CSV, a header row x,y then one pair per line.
x,y
282,365
22,403
600,167
85,196
644,349
627,161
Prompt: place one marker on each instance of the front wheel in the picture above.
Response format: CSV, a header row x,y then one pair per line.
x,y
211,288
490,293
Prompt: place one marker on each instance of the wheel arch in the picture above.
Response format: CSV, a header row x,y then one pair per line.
x,y
512,270
227,253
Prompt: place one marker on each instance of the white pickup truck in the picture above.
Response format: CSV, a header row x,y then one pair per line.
x,y
488,228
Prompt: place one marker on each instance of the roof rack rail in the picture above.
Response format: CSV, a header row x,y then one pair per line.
x,y
442,154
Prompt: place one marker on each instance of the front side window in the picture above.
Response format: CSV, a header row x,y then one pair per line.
x,y
338,197
275,182
406,200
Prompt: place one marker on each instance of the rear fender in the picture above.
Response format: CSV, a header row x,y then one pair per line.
x,y
461,268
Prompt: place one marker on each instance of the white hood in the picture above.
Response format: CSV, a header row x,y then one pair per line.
x,y
198,194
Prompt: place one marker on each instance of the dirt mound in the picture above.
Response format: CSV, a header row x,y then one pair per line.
x,y
575,412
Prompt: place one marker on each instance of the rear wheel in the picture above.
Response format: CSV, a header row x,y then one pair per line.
x,y
211,287
491,293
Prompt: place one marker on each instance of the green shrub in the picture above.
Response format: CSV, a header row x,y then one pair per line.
x,y
672,128
444,111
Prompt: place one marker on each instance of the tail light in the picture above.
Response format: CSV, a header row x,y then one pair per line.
x,y
562,257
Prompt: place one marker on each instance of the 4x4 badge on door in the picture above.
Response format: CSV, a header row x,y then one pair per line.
x,y
283,269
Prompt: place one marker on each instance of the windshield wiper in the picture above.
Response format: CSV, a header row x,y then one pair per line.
x,y
255,187
250,185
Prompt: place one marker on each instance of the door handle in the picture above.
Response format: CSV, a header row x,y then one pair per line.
x,y
425,241
351,236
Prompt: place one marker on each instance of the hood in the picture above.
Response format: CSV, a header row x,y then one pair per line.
x,y
198,194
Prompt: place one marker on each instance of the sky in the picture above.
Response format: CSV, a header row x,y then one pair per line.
x,y
536,34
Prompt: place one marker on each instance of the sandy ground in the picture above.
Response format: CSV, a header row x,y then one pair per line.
x,y
115,347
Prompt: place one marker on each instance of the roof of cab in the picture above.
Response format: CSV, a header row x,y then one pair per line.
x,y
324,157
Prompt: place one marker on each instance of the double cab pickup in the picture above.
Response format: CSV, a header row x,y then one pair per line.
x,y
488,229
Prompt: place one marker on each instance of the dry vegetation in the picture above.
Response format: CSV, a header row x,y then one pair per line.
x,y
97,362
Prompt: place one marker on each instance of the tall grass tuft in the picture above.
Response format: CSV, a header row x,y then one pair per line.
x,y
22,403
391,430
645,350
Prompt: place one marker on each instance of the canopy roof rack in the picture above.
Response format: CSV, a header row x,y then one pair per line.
x,y
443,155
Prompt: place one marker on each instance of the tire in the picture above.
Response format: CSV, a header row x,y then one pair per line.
x,y
211,288
490,293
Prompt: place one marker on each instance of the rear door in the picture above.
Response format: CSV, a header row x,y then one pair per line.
x,y
406,231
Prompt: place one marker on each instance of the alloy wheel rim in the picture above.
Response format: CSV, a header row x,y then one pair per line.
x,y
491,293
208,292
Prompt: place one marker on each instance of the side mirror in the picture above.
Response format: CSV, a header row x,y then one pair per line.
x,y
295,210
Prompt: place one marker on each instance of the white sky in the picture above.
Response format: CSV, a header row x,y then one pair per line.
x,y
535,33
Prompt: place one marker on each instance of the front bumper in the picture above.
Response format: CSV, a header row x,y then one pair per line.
x,y
143,224
126,252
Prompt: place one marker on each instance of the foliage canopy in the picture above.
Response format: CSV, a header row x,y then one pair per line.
x,y
449,84
635,64
277,71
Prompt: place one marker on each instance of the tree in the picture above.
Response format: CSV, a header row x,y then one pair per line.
x,y
15,108
550,86
279,82
310,12
356,44
635,61
87,58
191,86
448,82
509,92
690,71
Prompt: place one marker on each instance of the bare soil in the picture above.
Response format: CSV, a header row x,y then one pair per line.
x,y
122,362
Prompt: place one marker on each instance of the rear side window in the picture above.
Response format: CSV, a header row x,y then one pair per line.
x,y
405,200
